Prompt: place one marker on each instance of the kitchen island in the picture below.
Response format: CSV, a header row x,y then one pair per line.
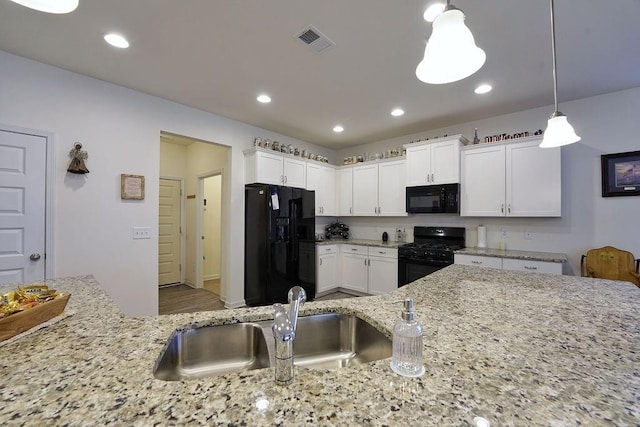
x,y
515,348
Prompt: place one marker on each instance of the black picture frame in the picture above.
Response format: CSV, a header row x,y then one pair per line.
x,y
621,174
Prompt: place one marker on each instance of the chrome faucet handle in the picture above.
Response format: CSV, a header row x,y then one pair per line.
x,y
297,293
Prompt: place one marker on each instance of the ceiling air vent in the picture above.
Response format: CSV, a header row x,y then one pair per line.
x,y
313,38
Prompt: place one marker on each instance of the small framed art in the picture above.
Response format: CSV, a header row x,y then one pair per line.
x,y
621,174
132,187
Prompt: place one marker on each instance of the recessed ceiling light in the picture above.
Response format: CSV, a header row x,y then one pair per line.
x,y
397,112
116,40
433,11
265,99
50,6
483,88
338,129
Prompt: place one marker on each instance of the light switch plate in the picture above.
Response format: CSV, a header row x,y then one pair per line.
x,y
141,233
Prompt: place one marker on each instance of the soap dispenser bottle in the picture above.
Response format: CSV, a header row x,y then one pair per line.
x,y
407,343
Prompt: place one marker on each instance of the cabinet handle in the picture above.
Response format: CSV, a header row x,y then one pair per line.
x,y
382,252
365,262
286,179
476,262
350,211
282,179
509,207
530,268
432,178
320,261
428,178
353,249
502,208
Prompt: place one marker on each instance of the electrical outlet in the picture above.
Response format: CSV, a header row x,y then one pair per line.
x,y
504,233
528,235
141,233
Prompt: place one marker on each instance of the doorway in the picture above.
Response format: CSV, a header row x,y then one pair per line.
x,y
202,168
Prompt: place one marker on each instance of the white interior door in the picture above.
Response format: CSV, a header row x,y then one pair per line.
x,y
23,165
169,232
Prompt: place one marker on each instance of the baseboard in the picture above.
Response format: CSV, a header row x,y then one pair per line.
x,y
190,284
211,277
235,304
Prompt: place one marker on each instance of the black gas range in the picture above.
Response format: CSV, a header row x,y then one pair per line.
x,y
431,250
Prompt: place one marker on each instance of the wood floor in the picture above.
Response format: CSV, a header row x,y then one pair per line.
x,y
185,299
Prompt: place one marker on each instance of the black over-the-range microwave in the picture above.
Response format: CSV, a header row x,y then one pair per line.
x,y
442,198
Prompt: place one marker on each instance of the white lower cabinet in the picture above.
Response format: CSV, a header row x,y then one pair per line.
x,y
354,267
478,261
509,263
372,270
532,266
383,270
327,268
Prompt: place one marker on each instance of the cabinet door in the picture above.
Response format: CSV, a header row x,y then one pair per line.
x,y
354,272
269,168
533,181
314,182
418,165
329,191
365,190
478,261
445,162
295,173
482,185
327,271
532,266
391,189
383,275
345,192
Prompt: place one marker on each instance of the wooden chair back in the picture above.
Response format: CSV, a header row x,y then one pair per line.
x,y
610,263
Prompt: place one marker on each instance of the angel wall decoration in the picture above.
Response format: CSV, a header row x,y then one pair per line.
x,y
78,156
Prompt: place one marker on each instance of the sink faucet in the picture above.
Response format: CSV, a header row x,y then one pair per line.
x,y
284,332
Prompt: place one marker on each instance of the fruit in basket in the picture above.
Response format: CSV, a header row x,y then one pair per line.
x,y
24,299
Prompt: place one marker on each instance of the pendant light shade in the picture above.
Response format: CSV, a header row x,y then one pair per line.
x,y
559,131
451,53
50,6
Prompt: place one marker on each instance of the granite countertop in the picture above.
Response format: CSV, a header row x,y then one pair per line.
x,y
515,348
528,255
361,242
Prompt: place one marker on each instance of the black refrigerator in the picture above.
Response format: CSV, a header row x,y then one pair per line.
x,y
279,243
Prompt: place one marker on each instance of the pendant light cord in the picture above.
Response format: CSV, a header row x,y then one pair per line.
x,y
553,56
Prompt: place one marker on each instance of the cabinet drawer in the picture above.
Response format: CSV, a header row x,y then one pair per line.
x,y
532,266
326,249
354,249
478,261
383,252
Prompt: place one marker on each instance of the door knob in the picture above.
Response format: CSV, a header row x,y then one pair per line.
x,y
34,257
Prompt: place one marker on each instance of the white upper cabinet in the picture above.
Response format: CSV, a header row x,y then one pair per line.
x,y
392,189
516,179
322,180
274,168
345,192
365,190
379,189
434,162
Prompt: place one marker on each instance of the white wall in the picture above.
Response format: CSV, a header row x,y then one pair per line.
x,y
607,123
120,129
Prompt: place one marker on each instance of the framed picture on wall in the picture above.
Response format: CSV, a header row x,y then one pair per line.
x,y
621,174
132,187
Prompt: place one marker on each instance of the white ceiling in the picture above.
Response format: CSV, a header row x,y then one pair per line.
x,y
219,55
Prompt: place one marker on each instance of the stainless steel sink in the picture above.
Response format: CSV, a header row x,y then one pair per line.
x,y
213,350
322,341
337,341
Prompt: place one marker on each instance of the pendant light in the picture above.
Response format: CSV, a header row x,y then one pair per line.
x,y
50,6
559,131
451,53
